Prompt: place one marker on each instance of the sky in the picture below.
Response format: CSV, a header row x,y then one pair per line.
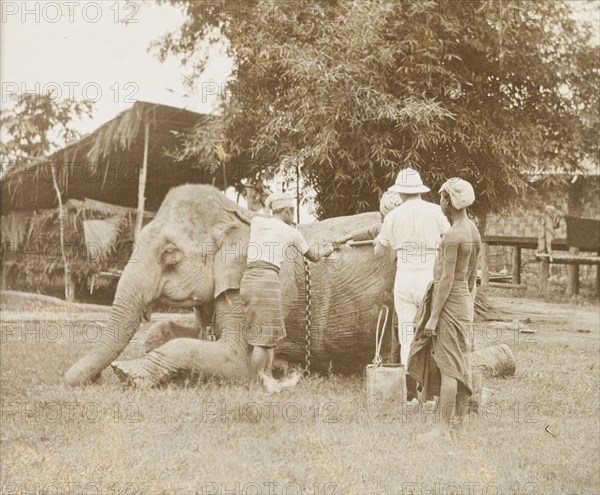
x,y
99,50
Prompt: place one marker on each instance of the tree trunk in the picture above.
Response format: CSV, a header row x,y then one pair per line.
x,y
142,186
69,290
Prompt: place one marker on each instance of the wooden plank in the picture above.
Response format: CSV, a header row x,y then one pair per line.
x,y
507,286
516,268
523,242
566,259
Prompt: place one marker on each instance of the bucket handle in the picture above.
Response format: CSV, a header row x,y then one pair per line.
x,y
379,334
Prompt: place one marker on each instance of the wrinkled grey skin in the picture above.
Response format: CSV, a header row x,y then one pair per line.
x,y
192,255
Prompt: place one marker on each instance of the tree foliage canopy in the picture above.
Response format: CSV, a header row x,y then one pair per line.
x,y
36,125
481,89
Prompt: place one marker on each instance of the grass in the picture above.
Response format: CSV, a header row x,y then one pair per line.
x,y
317,438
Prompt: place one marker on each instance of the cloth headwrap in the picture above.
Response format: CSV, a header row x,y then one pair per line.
x,y
278,201
460,191
389,201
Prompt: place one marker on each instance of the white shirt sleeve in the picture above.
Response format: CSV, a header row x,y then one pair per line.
x,y
385,233
300,242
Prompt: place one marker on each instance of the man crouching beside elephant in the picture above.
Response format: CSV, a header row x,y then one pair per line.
x,y
271,239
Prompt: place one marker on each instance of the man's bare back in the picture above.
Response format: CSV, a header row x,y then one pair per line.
x,y
463,243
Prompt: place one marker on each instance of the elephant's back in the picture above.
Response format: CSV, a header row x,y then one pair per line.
x,y
346,294
339,227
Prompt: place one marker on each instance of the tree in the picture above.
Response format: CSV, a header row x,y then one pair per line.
x,y
481,89
35,126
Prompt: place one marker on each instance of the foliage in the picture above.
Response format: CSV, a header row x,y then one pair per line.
x,y
482,89
36,125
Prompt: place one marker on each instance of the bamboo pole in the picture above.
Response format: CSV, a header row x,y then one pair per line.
x,y
142,185
69,293
485,267
297,193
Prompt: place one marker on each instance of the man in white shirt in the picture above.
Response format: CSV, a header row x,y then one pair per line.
x,y
272,240
411,233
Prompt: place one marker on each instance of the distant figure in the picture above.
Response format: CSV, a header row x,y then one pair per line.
x,y
549,222
411,235
443,317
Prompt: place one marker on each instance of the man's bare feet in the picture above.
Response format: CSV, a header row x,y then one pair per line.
x,y
291,380
271,385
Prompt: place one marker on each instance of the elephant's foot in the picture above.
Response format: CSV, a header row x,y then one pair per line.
x,y
132,373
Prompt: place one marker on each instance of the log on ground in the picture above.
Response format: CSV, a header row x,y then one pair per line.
x,y
497,360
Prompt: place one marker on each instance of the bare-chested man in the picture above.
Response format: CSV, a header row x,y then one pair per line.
x,y
447,310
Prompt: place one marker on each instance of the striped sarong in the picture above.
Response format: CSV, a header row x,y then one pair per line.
x,y
260,293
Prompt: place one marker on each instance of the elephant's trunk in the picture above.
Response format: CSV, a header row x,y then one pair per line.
x,y
133,293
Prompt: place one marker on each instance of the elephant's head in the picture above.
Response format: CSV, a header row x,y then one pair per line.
x,y
189,254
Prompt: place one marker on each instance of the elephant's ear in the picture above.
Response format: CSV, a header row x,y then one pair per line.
x,y
230,258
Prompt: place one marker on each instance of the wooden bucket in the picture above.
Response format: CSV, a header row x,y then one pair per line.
x,y
386,383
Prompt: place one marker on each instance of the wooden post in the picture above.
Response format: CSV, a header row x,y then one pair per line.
x,y
543,277
516,268
598,279
485,264
573,274
142,185
69,291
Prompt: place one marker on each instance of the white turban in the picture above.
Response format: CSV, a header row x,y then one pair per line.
x,y
460,191
277,201
389,201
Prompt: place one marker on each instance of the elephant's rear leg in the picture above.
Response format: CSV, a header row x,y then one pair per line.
x,y
162,332
227,361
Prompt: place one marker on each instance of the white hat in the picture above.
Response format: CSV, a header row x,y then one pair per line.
x,y
460,191
409,182
278,201
389,201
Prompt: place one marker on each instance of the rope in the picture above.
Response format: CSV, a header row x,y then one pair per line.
x,y
379,337
307,321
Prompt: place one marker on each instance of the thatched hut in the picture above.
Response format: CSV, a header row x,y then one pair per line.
x,y
108,183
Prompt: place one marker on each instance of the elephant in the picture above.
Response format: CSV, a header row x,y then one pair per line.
x,y
193,254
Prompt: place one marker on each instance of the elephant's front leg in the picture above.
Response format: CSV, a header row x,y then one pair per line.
x,y
221,360
227,358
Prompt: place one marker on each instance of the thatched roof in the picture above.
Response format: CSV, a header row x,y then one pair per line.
x,y
98,236
105,164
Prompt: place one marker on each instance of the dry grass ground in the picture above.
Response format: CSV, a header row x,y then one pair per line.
x,y
538,433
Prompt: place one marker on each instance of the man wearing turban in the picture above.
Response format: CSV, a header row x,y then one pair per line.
x,y
272,239
441,345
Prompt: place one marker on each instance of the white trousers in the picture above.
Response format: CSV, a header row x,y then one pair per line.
x,y
412,278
